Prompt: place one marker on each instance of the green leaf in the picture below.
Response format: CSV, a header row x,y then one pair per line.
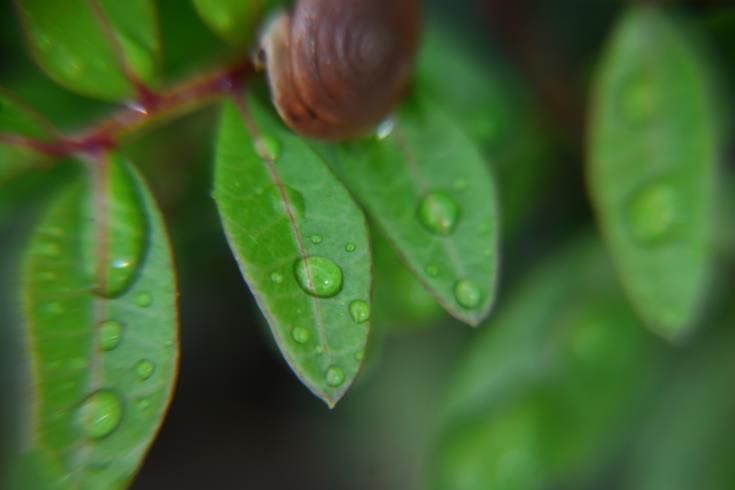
x,y
102,368
293,229
16,119
76,43
550,385
652,163
234,20
427,186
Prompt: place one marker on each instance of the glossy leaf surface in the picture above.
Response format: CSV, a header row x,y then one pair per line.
x,y
302,245
234,20
652,158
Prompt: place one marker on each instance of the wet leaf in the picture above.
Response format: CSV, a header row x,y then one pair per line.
x,y
302,245
102,369
652,162
80,51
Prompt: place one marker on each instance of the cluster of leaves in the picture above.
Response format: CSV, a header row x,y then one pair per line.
x,y
309,222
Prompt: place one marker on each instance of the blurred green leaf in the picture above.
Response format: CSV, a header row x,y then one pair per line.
x,y
302,245
424,182
70,42
19,120
652,158
234,20
549,388
102,369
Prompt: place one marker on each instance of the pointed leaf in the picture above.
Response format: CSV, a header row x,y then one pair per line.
x,y
293,227
427,186
652,157
77,42
102,368
234,20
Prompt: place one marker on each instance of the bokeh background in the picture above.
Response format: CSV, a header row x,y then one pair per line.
x,y
240,419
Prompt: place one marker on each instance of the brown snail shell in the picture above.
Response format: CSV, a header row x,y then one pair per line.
x,y
336,68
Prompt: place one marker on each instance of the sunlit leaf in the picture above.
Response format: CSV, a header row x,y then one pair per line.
x,y
652,158
78,42
545,393
101,368
234,20
426,185
302,245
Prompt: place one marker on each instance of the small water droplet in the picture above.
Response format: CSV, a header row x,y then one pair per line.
x,y
300,335
316,239
268,148
350,247
467,293
359,311
276,277
652,212
318,276
100,413
335,376
109,334
385,128
639,99
438,212
143,404
144,369
296,204
432,270
144,300
360,355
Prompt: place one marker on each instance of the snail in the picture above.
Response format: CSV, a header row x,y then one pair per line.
x,y
336,68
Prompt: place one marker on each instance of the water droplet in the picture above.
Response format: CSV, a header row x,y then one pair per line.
x,y
432,270
639,99
110,334
143,404
144,300
360,355
335,376
296,204
144,369
268,148
300,335
359,311
350,247
385,128
276,277
438,212
467,293
318,276
316,239
100,413
652,212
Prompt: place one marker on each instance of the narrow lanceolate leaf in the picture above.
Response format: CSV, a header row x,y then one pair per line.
x,y
102,366
302,245
652,159
428,187
18,120
234,20
94,47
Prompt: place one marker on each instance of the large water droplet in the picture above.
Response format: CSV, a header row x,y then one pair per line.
x,y
467,293
318,276
110,334
359,311
438,212
144,369
639,99
144,300
300,335
100,413
651,212
385,128
335,376
296,204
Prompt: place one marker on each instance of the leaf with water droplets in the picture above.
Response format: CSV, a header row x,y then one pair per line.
x,y
234,20
446,234
652,163
17,119
90,55
543,395
93,357
288,221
